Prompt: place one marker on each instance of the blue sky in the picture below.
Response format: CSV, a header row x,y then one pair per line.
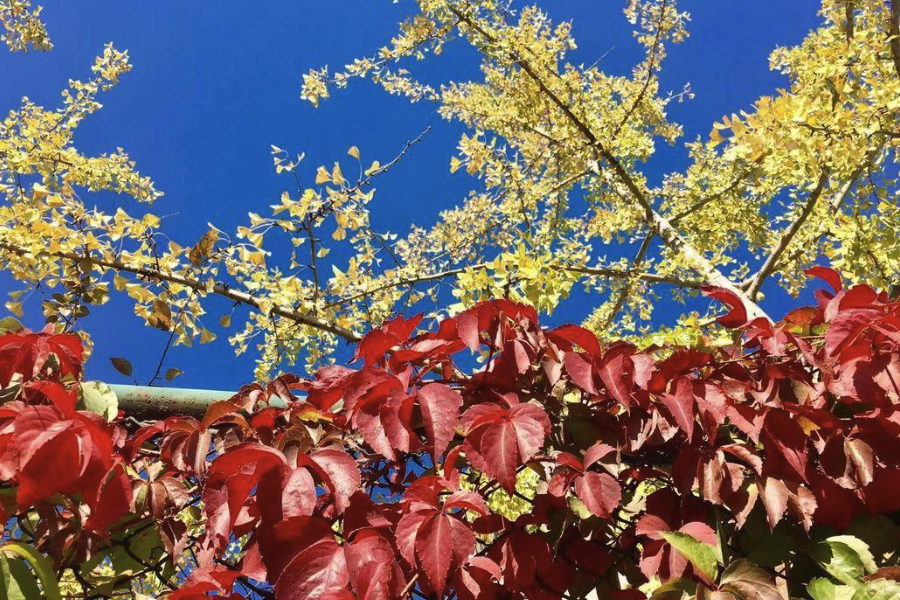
x,y
214,85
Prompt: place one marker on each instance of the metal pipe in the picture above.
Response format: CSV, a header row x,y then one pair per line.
x,y
145,401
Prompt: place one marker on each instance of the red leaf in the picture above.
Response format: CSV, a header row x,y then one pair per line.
x,y
406,532
615,372
499,440
680,405
581,371
785,445
737,316
567,335
113,500
883,494
827,274
340,473
315,573
600,493
846,327
774,495
468,501
373,346
440,409
433,548
501,453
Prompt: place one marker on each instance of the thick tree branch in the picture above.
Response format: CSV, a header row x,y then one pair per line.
x,y
837,201
781,247
220,289
660,224
593,271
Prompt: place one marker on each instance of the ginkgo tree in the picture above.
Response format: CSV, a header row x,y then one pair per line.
x,y
554,151
469,453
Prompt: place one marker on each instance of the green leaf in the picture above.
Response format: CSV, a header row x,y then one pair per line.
x,y
99,398
879,589
122,366
822,588
844,557
40,565
173,373
10,325
13,586
702,556
675,589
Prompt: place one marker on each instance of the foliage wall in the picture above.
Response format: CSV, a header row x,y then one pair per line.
x,y
488,459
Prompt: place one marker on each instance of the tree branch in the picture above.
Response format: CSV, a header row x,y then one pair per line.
x,y
595,271
220,289
626,290
660,224
895,35
779,249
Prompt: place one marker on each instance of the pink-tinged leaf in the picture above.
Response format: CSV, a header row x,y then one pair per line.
x,y
711,472
680,405
828,275
615,374
786,446
745,454
433,549
440,409
802,503
315,573
341,474
406,532
371,562
501,452
279,544
368,422
468,501
737,315
299,495
480,415
467,327
651,526
600,493
532,426
581,371
862,458
846,327
567,335
644,370
774,495
596,453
